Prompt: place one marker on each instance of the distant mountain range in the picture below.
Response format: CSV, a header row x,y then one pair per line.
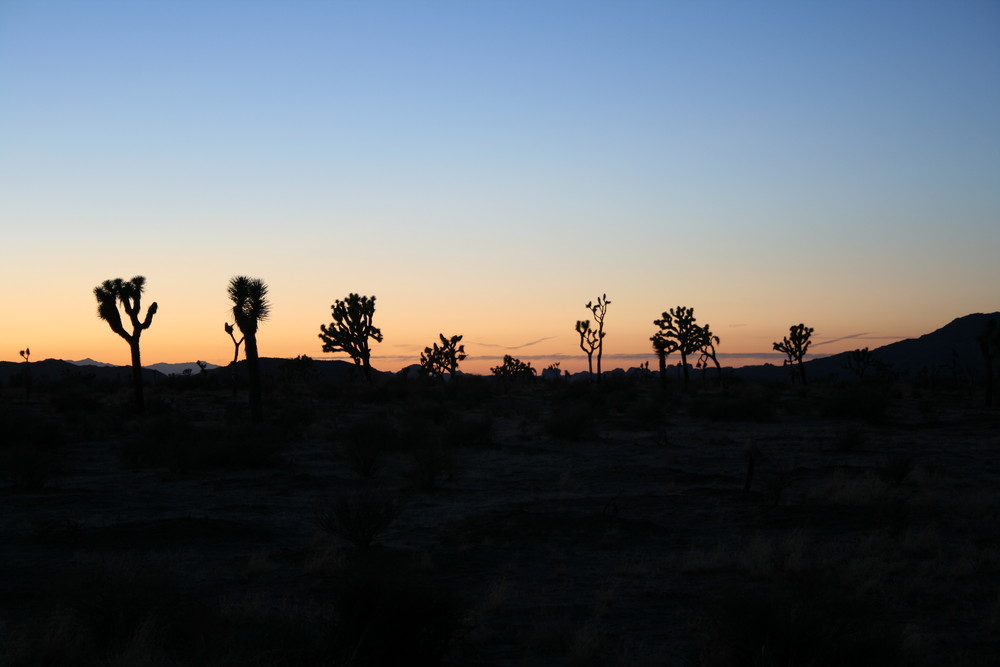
x,y
166,369
951,351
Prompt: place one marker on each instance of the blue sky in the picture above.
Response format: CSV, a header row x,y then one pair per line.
x,y
489,167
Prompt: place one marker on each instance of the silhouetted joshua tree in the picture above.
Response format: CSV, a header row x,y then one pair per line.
x,y
794,346
236,355
663,347
678,328
437,361
858,362
25,353
128,294
350,330
250,308
513,368
589,342
600,310
989,345
706,346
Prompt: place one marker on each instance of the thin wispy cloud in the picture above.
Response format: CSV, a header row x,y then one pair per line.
x,y
858,336
512,347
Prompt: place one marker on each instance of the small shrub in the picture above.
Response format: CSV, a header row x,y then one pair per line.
x,y
364,457
895,469
360,517
431,463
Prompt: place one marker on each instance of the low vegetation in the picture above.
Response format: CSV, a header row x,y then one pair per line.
x,y
488,521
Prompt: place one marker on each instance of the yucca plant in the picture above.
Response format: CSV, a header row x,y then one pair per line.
x,y
250,308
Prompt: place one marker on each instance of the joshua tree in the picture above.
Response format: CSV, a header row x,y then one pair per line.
x,y
989,345
128,294
513,368
250,308
444,359
859,361
25,353
678,329
794,346
236,354
350,330
599,309
706,345
589,342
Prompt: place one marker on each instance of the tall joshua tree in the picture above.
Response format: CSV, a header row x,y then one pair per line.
x,y
794,346
350,330
128,294
600,310
679,333
250,308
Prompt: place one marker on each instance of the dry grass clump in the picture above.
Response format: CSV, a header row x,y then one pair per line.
x,y
119,613
359,518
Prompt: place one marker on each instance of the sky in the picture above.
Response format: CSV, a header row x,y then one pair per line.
x,y
487,168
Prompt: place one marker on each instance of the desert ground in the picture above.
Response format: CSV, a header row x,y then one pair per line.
x,y
481,522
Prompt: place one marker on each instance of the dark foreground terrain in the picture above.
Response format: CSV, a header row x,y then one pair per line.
x,y
482,523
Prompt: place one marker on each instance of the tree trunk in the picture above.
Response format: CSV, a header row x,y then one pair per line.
x,y
684,367
140,403
253,379
663,371
590,364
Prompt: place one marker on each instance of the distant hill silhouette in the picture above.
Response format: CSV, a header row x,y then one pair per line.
x,y
177,369
50,370
89,362
323,370
951,351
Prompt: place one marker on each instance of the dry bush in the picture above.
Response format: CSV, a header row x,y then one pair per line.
x,y
360,517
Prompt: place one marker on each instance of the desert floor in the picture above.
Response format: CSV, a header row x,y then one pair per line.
x,y
528,524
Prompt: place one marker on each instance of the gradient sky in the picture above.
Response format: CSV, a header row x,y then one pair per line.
x,y
486,168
